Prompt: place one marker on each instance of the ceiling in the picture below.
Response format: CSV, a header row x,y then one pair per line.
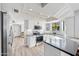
x,y
34,8
74,6
49,9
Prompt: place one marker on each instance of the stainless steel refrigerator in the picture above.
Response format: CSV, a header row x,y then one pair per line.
x,y
3,34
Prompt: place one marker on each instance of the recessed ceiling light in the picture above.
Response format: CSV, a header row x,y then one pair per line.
x,y
30,9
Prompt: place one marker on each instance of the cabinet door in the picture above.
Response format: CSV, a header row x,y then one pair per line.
x,y
77,24
31,41
46,38
69,26
52,39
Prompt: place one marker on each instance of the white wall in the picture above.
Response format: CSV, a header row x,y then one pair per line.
x,y
0,33
77,24
0,6
35,22
20,17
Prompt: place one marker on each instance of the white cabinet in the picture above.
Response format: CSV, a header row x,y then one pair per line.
x,y
46,38
52,40
69,25
56,41
31,41
72,25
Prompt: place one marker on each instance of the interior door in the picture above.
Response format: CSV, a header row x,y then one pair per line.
x,y
16,29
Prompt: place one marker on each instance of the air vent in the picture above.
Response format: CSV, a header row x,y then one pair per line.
x,y
16,10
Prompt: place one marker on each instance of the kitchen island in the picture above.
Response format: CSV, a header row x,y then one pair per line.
x,y
58,42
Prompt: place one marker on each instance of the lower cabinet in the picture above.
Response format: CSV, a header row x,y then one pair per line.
x,y
46,38
31,41
49,38
51,51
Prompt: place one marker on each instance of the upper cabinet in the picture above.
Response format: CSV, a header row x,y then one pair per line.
x,y
69,26
72,25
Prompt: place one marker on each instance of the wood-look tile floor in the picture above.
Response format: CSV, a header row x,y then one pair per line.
x,y
20,49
